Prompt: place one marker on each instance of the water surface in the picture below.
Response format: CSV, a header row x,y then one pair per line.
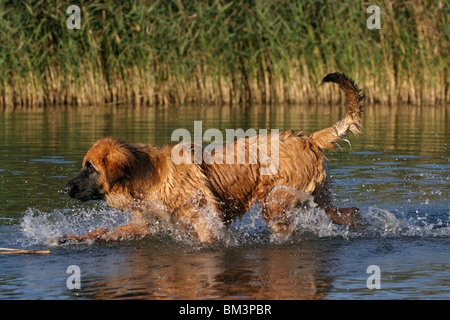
x,y
397,173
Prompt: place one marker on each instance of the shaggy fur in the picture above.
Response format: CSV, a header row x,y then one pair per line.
x,y
200,197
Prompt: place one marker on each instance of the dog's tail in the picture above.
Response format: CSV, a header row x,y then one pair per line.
x,y
352,121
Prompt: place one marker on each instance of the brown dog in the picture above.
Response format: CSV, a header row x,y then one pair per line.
x,y
201,198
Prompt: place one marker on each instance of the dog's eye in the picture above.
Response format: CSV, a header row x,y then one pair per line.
x,y
89,167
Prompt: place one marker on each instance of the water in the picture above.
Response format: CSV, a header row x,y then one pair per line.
x,y
397,173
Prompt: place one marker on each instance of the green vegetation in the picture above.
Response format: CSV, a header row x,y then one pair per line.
x,y
223,51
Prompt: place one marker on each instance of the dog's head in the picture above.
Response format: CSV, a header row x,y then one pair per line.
x,y
108,162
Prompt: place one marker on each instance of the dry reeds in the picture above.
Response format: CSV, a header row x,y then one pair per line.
x,y
263,51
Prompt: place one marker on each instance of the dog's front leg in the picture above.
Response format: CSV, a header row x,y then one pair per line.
x,y
128,231
200,222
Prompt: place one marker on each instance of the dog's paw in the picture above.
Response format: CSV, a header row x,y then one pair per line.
x,y
64,240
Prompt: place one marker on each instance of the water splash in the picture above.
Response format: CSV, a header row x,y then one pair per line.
x,y
39,227
312,221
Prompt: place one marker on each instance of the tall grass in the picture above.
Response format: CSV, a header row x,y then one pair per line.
x,y
222,51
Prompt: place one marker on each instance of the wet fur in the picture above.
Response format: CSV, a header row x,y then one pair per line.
x,y
200,197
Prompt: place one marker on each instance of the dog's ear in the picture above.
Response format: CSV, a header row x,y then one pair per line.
x,y
118,161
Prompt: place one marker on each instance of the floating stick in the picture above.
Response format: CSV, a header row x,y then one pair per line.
x,y
17,251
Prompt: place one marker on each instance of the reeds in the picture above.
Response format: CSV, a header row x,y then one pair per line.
x,y
214,52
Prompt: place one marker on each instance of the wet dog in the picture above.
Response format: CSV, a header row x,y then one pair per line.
x,y
203,198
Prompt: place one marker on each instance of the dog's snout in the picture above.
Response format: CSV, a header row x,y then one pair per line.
x,y
83,188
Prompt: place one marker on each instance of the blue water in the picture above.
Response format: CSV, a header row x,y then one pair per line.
x,y
397,173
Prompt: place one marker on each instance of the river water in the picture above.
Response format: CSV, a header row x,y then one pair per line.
x,y
397,173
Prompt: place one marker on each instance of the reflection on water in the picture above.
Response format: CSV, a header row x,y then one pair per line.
x,y
397,173
222,273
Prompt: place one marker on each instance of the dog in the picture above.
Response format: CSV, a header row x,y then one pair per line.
x,y
199,197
